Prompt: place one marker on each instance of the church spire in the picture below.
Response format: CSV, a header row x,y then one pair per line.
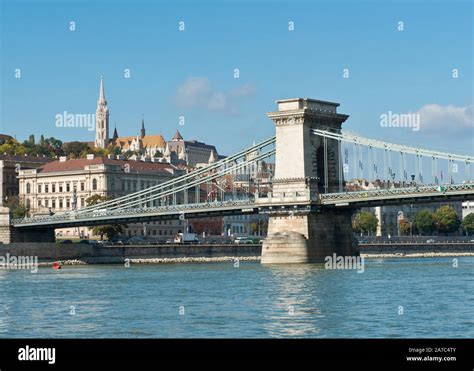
x,y
115,136
177,136
212,157
102,119
142,131
102,94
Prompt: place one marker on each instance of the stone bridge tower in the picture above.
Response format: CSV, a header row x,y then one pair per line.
x,y
300,230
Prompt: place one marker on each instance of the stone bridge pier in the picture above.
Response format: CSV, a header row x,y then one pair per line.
x,y
299,229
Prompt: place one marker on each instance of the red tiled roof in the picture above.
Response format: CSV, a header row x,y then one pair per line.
x,y
80,163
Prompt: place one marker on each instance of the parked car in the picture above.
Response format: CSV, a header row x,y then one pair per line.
x,y
242,240
65,242
430,241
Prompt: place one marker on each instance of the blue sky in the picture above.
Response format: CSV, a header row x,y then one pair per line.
x,y
191,73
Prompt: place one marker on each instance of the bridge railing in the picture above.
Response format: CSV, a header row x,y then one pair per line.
x,y
376,193
181,208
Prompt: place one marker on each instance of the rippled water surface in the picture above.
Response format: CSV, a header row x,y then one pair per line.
x,y
425,297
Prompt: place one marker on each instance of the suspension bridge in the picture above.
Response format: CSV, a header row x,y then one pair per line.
x,y
309,198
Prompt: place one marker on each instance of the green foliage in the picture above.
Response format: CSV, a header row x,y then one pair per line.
x,y
46,147
468,223
130,153
17,209
19,212
109,230
424,221
31,140
365,222
96,199
13,148
75,149
446,219
52,148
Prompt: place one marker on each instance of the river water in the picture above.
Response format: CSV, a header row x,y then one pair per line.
x,y
424,297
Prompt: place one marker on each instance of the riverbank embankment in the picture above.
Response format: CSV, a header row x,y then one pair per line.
x,y
77,254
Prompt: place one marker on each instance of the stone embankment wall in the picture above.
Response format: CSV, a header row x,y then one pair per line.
x,y
108,254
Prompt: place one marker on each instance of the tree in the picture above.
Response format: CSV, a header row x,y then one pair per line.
x,y
46,147
96,199
424,221
365,222
109,230
405,227
468,223
13,148
447,220
54,143
17,209
130,153
75,149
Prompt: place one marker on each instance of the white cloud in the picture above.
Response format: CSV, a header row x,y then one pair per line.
x,y
446,119
197,93
243,91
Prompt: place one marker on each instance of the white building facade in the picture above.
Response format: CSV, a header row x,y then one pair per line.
x,y
66,185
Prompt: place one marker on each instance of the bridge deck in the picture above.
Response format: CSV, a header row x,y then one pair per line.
x,y
189,211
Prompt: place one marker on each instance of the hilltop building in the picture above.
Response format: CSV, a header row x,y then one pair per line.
x,y
177,151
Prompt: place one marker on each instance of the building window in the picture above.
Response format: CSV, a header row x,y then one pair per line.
x,y
68,187
46,203
39,203
46,188
53,187
60,203
82,202
53,204
60,188
28,188
94,184
39,188
82,186
68,203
